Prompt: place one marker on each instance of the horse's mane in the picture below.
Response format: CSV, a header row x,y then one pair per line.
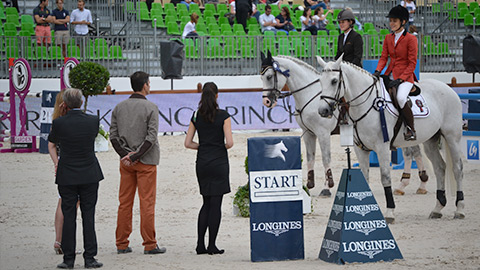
x,y
355,67
298,62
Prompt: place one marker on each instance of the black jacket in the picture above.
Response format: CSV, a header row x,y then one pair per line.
x,y
353,48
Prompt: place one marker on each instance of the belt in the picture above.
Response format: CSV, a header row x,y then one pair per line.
x,y
44,25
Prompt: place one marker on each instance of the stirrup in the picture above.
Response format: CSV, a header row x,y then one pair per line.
x,y
410,135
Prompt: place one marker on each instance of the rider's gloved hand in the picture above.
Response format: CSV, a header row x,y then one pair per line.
x,y
376,74
395,83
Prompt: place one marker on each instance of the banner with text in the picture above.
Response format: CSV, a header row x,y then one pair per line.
x,y
276,213
245,108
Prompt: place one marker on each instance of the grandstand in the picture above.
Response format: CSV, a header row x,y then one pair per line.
x,y
126,35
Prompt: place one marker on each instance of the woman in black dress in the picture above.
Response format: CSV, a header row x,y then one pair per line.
x,y
215,137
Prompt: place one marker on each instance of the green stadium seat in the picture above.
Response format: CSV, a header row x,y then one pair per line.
x,y
430,49
427,39
56,53
172,13
230,48
158,7
156,12
24,33
190,49
130,7
183,13
172,29
160,23
238,27
261,8
269,45
461,5
201,27
210,7
468,20
11,33
376,49
182,7
462,12
253,27
195,8
225,27
442,49
143,15
11,10
116,53
254,33
101,51
223,20
2,15
476,12
300,51
281,34
472,6
142,5
208,14
323,48
74,51
335,14
367,26
222,7
214,49
168,6
184,19
26,19
29,53
283,45
477,18
42,53
210,20
29,28
11,52
13,20
447,6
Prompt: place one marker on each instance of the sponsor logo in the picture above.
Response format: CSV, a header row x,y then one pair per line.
x,y
334,226
369,248
330,246
472,149
276,150
276,228
362,209
365,227
337,208
22,139
340,194
359,195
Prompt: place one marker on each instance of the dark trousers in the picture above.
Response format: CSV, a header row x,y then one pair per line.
x,y
87,194
242,15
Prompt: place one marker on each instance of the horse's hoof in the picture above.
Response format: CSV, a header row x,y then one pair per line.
x,y
435,215
389,216
325,193
390,220
398,192
310,184
459,215
421,191
331,184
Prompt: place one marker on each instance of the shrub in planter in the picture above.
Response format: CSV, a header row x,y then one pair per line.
x,y
91,78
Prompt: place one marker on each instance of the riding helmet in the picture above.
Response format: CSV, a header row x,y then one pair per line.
x,y
346,14
399,12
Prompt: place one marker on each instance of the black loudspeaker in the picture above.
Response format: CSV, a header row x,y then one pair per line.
x,y
171,59
471,54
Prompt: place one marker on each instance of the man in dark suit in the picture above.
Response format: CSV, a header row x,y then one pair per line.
x,y
350,43
77,176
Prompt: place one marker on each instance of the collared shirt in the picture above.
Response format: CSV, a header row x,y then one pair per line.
x,y
266,18
60,15
134,121
397,36
42,13
78,16
346,35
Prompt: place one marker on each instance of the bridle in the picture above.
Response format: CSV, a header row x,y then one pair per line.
x,y
378,102
275,93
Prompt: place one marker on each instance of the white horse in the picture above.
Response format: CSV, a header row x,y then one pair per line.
x,y
361,90
303,82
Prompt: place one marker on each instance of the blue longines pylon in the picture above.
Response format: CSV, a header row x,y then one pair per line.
x,y
357,230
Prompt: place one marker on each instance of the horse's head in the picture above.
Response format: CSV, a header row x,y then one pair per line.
x,y
273,78
333,86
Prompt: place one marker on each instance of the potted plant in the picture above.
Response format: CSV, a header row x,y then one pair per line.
x,y
91,79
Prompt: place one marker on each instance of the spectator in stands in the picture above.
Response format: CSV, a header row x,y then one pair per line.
x,y
149,4
267,20
243,10
413,30
255,13
187,3
284,22
62,34
189,29
410,6
402,48
81,18
43,18
274,2
313,4
307,22
320,18
350,43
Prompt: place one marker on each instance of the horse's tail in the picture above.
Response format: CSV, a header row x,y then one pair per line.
x,y
450,182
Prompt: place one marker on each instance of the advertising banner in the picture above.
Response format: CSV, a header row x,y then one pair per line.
x,y
245,108
276,213
356,230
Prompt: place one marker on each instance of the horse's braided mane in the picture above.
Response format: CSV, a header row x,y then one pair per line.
x,y
299,62
357,68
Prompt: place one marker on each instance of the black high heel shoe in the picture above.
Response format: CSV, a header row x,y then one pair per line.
x,y
201,251
212,251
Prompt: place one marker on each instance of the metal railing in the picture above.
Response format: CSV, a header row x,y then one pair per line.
x,y
210,56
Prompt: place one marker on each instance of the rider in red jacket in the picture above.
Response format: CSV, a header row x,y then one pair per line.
x,y
402,48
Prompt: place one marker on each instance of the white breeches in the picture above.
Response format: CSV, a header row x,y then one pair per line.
x,y
402,93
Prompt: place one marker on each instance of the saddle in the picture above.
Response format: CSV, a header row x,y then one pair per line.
x,y
415,91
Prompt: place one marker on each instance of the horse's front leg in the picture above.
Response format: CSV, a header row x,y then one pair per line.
x,y
324,141
310,145
384,162
363,160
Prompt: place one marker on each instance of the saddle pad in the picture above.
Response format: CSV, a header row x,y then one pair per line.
x,y
419,105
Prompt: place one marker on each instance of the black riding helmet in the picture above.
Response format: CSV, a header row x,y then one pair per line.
x,y
346,14
399,12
